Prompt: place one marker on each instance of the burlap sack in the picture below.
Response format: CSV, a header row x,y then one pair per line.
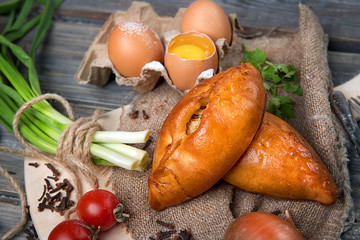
x,y
209,214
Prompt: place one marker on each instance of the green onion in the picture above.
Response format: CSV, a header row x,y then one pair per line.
x,y
6,7
113,157
42,125
122,137
127,151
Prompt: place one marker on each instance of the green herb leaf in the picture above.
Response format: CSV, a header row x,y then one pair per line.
x,y
280,106
290,75
294,88
267,86
273,89
267,73
275,76
286,68
287,111
256,58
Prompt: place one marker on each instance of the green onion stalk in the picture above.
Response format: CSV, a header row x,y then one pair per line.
x,y
42,125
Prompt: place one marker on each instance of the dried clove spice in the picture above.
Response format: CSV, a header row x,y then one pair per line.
x,y
162,235
145,116
58,188
48,184
43,194
53,178
165,224
42,206
35,164
68,185
55,172
134,114
53,197
184,234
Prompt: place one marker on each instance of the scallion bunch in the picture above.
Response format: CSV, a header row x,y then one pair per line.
x,y
42,125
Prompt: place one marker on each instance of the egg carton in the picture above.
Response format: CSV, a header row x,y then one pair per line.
x,y
96,67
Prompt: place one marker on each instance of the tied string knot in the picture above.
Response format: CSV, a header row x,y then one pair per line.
x,y
74,146
73,153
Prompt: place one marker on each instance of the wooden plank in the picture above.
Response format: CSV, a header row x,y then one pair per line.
x,y
10,216
12,164
284,14
274,13
343,66
344,45
15,166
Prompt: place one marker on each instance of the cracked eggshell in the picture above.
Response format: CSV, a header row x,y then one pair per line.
x,y
185,72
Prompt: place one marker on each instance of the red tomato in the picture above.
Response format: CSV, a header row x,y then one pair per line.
x,y
100,208
71,230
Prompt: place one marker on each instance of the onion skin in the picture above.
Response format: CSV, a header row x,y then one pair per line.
x,y
261,226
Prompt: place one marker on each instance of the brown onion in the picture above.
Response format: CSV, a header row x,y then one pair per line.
x,y
261,226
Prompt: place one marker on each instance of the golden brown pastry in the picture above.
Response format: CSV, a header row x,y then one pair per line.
x,y
205,134
280,163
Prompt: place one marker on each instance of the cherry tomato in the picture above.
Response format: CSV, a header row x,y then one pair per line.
x,y
100,208
71,230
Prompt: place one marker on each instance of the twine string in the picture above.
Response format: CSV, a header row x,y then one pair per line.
x,y
73,153
74,146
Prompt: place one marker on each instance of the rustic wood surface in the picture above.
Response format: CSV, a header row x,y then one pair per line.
x,y
78,21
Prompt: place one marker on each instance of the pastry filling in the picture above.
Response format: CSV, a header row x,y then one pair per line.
x,y
195,120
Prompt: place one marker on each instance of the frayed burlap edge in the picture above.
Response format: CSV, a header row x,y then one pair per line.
x,y
307,17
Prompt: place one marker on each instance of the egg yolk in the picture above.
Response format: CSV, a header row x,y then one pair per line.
x,y
188,51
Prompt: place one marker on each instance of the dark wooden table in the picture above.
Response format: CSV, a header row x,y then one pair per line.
x,y
78,21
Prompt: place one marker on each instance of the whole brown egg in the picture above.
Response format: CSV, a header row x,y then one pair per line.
x,y
131,45
206,16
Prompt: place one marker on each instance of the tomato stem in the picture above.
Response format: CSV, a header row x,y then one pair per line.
x,y
94,234
120,216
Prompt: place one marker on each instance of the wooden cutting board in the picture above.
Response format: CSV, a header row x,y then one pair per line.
x,y
46,220
351,88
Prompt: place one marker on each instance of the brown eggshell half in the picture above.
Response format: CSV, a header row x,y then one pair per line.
x,y
184,72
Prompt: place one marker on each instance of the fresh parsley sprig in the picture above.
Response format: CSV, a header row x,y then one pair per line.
x,y
275,76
